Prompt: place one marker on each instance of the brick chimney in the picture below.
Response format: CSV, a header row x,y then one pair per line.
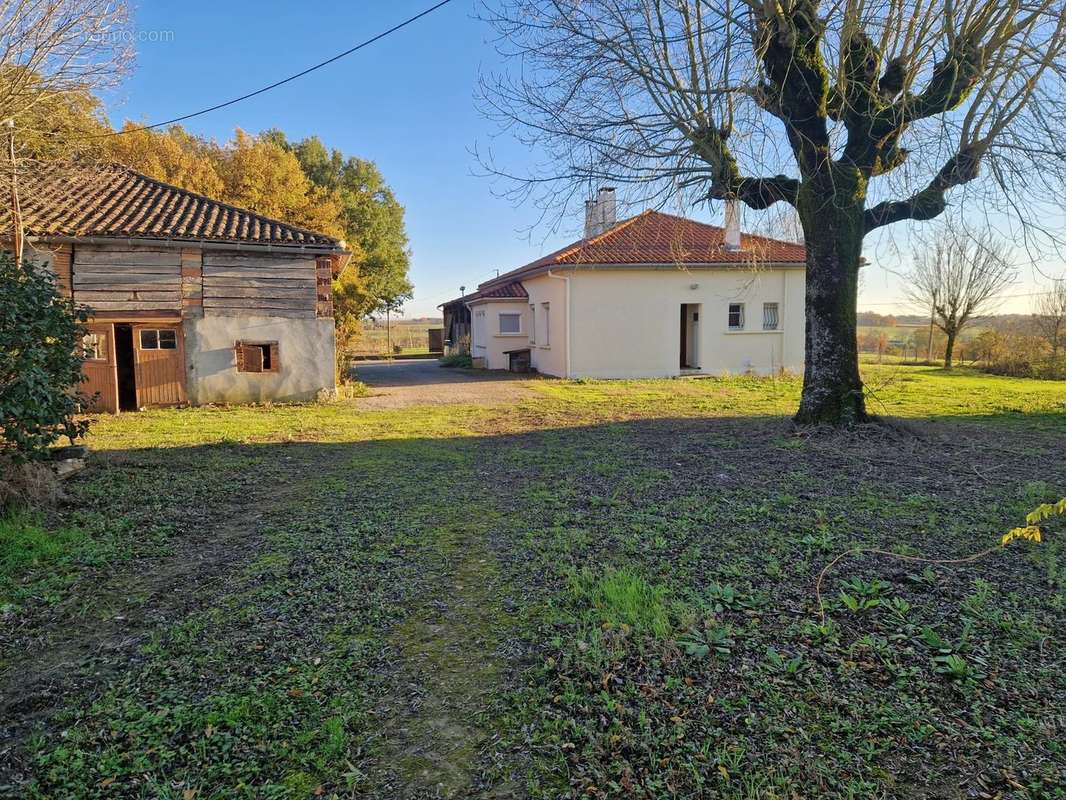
x,y
601,213
732,225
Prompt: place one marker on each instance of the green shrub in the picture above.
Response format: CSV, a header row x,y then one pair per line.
x,y
461,360
40,362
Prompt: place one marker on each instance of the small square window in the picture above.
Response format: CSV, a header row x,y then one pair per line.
x,y
769,316
168,339
510,323
736,316
94,346
149,339
257,356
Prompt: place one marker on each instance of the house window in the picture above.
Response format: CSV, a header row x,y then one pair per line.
x,y
94,346
769,316
159,339
257,356
736,316
510,324
546,311
532,324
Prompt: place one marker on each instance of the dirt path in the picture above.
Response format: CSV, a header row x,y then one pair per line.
x,y
411,382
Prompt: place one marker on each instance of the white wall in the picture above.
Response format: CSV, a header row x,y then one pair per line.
x,y
548,350
626,323
486,341
305,353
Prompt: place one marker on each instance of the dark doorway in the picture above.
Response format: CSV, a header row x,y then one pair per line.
x,y
684,336
127,375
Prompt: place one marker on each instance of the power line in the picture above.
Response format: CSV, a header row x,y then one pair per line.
x,y
276,84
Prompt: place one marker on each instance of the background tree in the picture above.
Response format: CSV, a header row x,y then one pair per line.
x,y
173,156
958,277
1050,320
859,115
373,223
40,362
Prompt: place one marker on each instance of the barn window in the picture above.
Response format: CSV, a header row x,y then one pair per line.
x,y
94,346
257,356
769,316
159,339
736,316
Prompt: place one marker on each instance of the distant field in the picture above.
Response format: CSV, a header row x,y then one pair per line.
x,y
411,337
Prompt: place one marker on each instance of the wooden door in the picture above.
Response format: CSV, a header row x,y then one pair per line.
x,y
159,358
100,385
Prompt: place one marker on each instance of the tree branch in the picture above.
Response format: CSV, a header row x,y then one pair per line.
x,y
930,202
727,182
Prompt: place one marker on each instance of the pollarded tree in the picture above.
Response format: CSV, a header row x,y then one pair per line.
x,y
959,276
859,114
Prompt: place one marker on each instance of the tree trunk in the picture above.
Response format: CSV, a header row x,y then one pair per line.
x,y
949,349
833,231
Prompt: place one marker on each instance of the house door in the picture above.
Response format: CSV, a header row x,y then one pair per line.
x,y
690,340
684,336
159,365
100,386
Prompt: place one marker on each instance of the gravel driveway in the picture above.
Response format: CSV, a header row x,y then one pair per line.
x,y
413,382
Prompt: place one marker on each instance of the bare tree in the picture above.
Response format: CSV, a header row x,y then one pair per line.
x,y
56,47
858,113
52,51
959,277
1050,320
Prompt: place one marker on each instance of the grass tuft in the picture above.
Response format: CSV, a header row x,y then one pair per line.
x,y
620,597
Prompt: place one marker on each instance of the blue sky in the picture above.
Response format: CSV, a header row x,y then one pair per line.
x,y
406,102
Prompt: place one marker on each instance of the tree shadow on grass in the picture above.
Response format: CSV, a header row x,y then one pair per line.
x,y
356,616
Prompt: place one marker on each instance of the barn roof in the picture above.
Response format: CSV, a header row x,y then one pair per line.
x,y
64,199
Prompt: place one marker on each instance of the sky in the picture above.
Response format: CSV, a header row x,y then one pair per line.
x,y
406,102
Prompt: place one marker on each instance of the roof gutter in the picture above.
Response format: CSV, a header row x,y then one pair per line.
x,y
204,244
569,317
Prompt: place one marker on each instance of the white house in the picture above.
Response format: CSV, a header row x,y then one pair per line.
x,y
652,296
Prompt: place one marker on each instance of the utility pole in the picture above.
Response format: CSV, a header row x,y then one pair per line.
x,y
388,330
16,211
932,319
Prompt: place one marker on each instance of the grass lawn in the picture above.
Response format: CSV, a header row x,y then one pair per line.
x,y
607,590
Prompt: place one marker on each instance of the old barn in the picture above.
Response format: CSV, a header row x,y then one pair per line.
x,y
192,300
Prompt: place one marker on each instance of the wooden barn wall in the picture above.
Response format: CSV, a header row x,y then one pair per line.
x,y
61,265
268,285
127,278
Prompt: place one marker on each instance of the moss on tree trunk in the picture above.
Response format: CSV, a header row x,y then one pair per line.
x,y
831,210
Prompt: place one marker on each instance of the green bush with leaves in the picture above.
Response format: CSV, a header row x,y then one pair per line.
x,y
40,362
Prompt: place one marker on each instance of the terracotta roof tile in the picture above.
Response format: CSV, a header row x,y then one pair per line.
x,y
64,199
507,290
656,238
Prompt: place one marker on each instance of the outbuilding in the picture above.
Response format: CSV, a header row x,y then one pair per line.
x,y
192,300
